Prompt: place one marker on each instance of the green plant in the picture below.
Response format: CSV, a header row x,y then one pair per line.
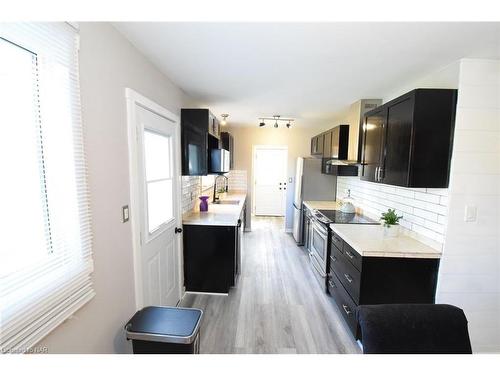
x,y
390,218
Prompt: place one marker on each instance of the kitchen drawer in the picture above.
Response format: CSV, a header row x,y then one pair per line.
x,y
345,304
352,255
345,271
336,240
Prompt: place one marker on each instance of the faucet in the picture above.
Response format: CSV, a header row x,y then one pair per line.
x,y
216,197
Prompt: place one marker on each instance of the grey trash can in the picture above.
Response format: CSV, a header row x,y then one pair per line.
x,y
165,330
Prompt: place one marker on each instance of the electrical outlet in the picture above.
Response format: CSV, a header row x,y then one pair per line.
x,y
470,214
125,214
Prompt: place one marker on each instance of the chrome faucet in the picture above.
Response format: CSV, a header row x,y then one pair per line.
x,y
216,197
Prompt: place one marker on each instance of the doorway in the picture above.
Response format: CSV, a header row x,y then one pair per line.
x,y
154,162
269,180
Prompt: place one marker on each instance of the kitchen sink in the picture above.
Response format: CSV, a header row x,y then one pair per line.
x,y
229,201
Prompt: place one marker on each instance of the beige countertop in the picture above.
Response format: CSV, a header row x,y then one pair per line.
x,y
217,214
369,240
322,205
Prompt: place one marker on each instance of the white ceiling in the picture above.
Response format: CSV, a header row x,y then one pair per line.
x,y
309,71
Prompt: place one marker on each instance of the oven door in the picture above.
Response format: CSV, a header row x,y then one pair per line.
x,y
319,243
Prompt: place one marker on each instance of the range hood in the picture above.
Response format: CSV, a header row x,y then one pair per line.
x,y
338,167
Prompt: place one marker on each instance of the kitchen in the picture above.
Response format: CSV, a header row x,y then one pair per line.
x,y
251,208
354,260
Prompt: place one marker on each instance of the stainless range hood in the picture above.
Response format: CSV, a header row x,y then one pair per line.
x,y
340,167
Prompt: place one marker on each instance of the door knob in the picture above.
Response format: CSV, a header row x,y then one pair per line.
x,y
178,230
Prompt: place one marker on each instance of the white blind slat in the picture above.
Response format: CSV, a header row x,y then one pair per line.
x,y
37,293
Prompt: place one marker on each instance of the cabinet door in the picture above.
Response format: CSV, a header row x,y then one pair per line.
x,y
373,137
319,147
335,143
194,151
314,143
327,145
396,165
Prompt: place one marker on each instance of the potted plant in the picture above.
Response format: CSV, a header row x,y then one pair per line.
x,y
391,223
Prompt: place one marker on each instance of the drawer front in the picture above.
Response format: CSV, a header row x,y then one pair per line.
x,y
352,255
349,276
336,240
345,304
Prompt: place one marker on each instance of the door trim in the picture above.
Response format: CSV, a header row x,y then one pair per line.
x,y
255,148
133,99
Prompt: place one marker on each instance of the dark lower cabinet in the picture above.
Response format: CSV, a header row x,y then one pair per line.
x,y
209,258
355,280
212,256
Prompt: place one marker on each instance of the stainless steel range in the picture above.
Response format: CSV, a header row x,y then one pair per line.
x,y
320,235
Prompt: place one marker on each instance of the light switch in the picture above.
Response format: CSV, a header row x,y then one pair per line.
x,y
470,213
125,214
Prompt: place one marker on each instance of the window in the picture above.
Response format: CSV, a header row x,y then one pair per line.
x,y
157,151
45,257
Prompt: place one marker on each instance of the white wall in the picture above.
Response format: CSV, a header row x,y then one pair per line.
x,y
109,64
469,274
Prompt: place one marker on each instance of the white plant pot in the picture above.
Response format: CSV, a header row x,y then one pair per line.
x,y
391,231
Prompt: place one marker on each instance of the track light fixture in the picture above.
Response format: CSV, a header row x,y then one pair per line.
x,y
276,118
224,119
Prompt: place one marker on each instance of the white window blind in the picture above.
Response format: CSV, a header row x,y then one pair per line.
x,y
45,253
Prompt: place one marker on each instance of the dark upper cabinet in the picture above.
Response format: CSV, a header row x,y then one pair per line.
x,y
227,143
373,137
339,143
396,163
198,129
317,145
408,141
327,144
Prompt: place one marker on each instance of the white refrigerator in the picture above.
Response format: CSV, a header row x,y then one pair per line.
x,y
310,185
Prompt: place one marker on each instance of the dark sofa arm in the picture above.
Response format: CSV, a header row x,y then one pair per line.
x,y
413,329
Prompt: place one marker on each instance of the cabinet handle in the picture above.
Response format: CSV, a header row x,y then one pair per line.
x,y
380,173
334,259
348,277
349,254
332,284
376,173
347,309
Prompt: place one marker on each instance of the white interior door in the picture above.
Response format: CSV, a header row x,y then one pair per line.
x,y
157,261
270,181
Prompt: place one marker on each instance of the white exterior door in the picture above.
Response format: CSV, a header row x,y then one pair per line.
x,y
270,183
157,178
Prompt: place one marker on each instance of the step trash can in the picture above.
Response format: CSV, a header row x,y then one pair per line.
x,y
165,330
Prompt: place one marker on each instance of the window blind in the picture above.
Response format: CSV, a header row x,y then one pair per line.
x,y
46,252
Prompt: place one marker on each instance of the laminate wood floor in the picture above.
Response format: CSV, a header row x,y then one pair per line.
x,y
277,305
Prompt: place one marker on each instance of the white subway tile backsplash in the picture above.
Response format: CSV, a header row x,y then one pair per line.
x,y
420,207
427,197
429,215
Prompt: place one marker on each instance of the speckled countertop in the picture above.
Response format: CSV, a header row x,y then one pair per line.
x,y
217,214
369,241
322,205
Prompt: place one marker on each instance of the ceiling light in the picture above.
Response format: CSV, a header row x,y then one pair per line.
x,y
276,119
224,117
